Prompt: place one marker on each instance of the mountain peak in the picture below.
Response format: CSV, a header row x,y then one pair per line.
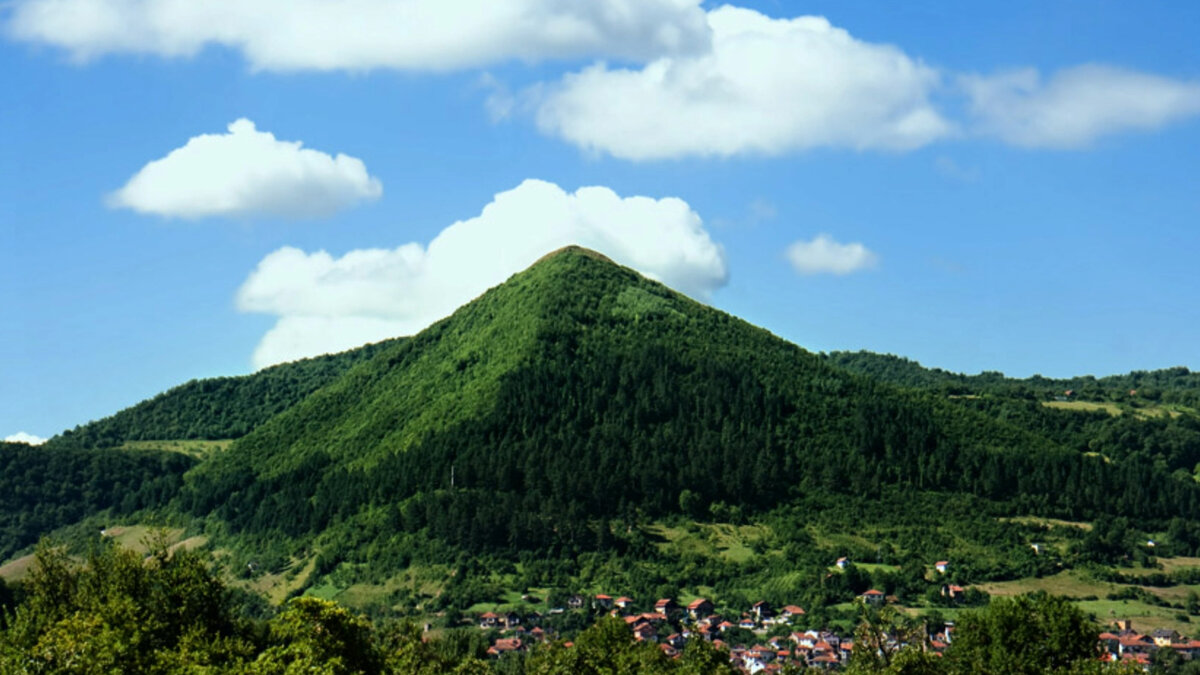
x,y
574,250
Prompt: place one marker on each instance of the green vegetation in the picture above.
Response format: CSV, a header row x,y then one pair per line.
x,y
581,429
579,399
46,488
218,408
167,613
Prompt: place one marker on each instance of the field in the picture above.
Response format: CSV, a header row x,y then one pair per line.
x,y
733,543
1110,408
192,448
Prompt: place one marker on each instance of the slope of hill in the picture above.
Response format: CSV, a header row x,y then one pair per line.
x,y
579,390
217,408
1142,416
44,488
1168,385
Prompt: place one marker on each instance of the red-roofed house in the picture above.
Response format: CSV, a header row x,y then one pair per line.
x,y
623,602
666,606
602,601
503,646
791,611
699,607
644,631
941,566
488,620
761,610
873,597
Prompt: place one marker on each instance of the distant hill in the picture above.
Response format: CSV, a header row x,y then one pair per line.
x,y
217,408
1170,385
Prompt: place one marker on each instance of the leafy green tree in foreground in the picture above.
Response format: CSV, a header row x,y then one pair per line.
x,y
121,612
1028,634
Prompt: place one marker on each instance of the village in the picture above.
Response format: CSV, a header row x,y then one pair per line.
x,y
775,646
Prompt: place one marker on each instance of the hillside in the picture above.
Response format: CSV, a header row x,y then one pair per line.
x,y
217,408
579,391
1147,416
45,488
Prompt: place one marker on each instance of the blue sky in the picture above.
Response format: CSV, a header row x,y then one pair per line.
x,y
1012,187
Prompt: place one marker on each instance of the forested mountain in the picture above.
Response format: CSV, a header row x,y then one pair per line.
x,y
217,408
1147,416
579,391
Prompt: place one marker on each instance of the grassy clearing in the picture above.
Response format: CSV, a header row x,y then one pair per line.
x,y
734,543
192,448
1145,617
15,570
1110,408
1071,583
137,537
1175,564
1049,522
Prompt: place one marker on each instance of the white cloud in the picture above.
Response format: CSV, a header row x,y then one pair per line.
x,y
823,255
243,173
289,35
22,437
767,86
1077,105
327,304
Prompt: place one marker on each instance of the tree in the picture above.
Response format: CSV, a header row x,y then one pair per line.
x,y
318,636
1029,634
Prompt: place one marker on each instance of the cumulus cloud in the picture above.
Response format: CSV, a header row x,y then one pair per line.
x,y
823,255
326,303
290,35
767,86
247,172
1077,105
22,437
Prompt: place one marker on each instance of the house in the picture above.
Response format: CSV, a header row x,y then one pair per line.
x,y
623,602
666,607
645,632
790,612
503,646
842,563
1134,643
699,607
941,566
1164,637
1188,649
602,601
575,602
747,623
761,610
873,597
953,592
510,619
489,620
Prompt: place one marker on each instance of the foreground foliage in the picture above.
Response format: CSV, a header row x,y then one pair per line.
x,y
166,612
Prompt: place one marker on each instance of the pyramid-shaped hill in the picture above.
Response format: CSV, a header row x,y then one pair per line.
x,y
579,389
